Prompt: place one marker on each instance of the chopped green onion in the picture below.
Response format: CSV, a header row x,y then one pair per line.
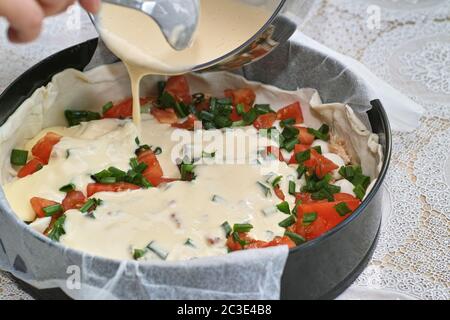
x,y
303,156
289,221
145,183
290,132
266,190
141,167
107,106
67,188
137,141
161,87
75,117
208,155
222,122
318,149
208,125
227,228
322,133
301,170
298,239
213,103
58,229
225,101
166,100
292,187
187,172
218,199
359,192
88,205
287,122
19,157
52,210
342,208
242,227
276,181
157,151
284,207
134,163
309,217
237,239
240,109
102,174
117,173
108,180
322,194
154,247
289,145
181,110
207,116
250,117
189,243
262,108
240,123
139,253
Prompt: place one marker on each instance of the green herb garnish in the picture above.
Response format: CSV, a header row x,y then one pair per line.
x,y
19,157
342,208
67,188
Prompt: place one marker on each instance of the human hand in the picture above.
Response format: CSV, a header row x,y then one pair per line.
x,y
25,16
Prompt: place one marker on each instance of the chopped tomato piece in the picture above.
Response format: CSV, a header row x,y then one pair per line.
x,y
93,188
154,172
167,116
188,124
246,96
38,205
234,116
265,121
344,197
73,200
43,148
292,111
123,109
252,243
279,241
279,193
275,151
319,165
305,197
305,137
327,217
31,167
298,148
178,87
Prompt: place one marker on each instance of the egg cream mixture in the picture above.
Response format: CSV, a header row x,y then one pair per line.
x,y
137,40
182,219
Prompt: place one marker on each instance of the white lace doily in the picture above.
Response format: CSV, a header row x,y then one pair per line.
x,y
409,47
411,51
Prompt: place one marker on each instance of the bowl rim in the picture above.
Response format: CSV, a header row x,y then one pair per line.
x,y
235,51
376,105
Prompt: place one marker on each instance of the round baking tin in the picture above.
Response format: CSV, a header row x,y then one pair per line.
x,y
320,269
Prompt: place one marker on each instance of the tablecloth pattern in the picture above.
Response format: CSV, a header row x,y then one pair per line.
x,y
406,43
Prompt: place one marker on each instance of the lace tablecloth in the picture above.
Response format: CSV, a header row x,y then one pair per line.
x,y
406,43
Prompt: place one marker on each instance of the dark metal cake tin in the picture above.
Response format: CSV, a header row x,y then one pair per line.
x,y
319,269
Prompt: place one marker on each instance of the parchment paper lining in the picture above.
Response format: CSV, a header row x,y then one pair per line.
x,y
254,274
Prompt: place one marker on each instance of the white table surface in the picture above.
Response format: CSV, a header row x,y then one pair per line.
x,y
406,43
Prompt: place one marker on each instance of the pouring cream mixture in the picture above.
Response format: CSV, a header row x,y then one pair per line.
x,y
136,39
85,186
